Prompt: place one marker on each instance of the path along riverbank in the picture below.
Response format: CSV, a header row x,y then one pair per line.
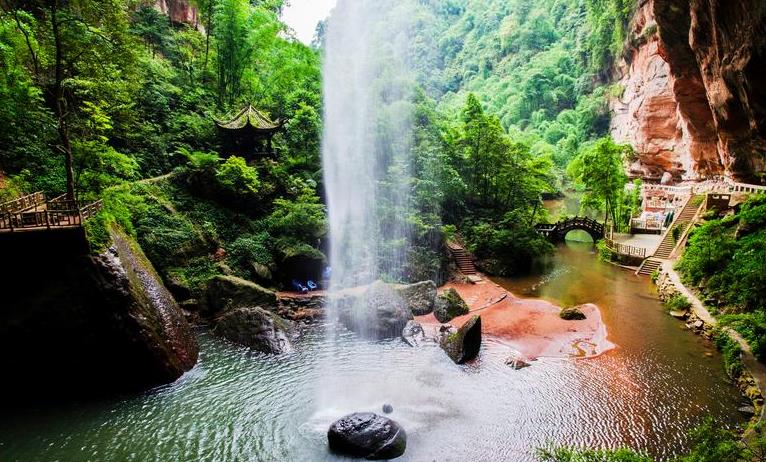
x,y
752,379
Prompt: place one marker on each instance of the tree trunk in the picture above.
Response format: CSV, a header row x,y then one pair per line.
x,y
60,107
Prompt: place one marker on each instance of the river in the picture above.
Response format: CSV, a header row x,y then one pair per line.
x,y
236,405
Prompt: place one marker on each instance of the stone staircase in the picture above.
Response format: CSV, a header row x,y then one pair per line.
x,y
463,260
665,249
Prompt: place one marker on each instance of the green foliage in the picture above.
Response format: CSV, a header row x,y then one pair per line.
x,y
752,326
678,302
553,453
202,161
599,168
712,442
236,177
655,276
731,351
725,258
250,249
135,89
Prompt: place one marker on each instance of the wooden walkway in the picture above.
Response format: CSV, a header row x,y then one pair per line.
x,y
35,213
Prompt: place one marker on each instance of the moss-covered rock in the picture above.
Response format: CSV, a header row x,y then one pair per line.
x,y
229,292
450,305
463,344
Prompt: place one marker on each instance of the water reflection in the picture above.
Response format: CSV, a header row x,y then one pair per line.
x,y
236,405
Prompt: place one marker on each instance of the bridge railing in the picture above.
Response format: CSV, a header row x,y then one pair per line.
x,y
624,249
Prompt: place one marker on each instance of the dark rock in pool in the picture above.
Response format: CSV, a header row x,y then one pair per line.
x,y
572,314
256,328
420,297
387,409
517,361
463,344
368,435
449,305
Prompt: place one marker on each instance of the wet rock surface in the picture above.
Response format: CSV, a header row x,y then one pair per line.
x,y
413,334
572,313
367,435
420,297
377,313
256,328
228,292
99,323
462,345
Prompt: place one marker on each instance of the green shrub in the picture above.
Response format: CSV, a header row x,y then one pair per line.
x,y
676,233
236,177
731,351
678,302
655,276
552,453
752,327
247,250
97,232
604,253
198,160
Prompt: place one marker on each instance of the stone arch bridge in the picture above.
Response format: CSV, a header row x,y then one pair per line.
x,y
556,232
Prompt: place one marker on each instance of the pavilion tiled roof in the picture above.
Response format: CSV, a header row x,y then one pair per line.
x,y
250,116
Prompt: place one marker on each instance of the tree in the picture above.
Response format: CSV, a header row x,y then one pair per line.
x,y
599,167
232,33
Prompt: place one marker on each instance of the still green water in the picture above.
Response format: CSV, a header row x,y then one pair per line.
x,y
239,406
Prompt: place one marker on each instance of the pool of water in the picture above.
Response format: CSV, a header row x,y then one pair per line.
x,y
236,405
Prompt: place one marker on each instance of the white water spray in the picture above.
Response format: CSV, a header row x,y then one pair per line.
x,y
368,89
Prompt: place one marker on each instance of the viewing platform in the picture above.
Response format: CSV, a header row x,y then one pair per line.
x,y
34,212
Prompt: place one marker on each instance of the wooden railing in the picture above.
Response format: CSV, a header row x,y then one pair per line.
x,y
55,217
624,249
23,203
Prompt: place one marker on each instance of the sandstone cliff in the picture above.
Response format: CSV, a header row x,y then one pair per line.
x,y
693,99
179,11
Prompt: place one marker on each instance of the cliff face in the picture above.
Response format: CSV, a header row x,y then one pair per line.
x,y
179,11
694,99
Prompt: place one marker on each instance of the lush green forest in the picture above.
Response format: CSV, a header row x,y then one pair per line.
x,y
95,97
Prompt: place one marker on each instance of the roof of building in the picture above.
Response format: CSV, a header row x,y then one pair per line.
x,y
250,116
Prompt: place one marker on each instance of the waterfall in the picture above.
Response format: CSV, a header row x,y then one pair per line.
x,y
368,89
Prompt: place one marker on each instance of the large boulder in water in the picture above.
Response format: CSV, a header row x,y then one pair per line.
x,y
228,292
463,344
100,323
420,297
377,313
256,328
368,435
450,305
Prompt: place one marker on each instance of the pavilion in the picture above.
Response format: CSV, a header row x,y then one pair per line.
x,y
248,134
